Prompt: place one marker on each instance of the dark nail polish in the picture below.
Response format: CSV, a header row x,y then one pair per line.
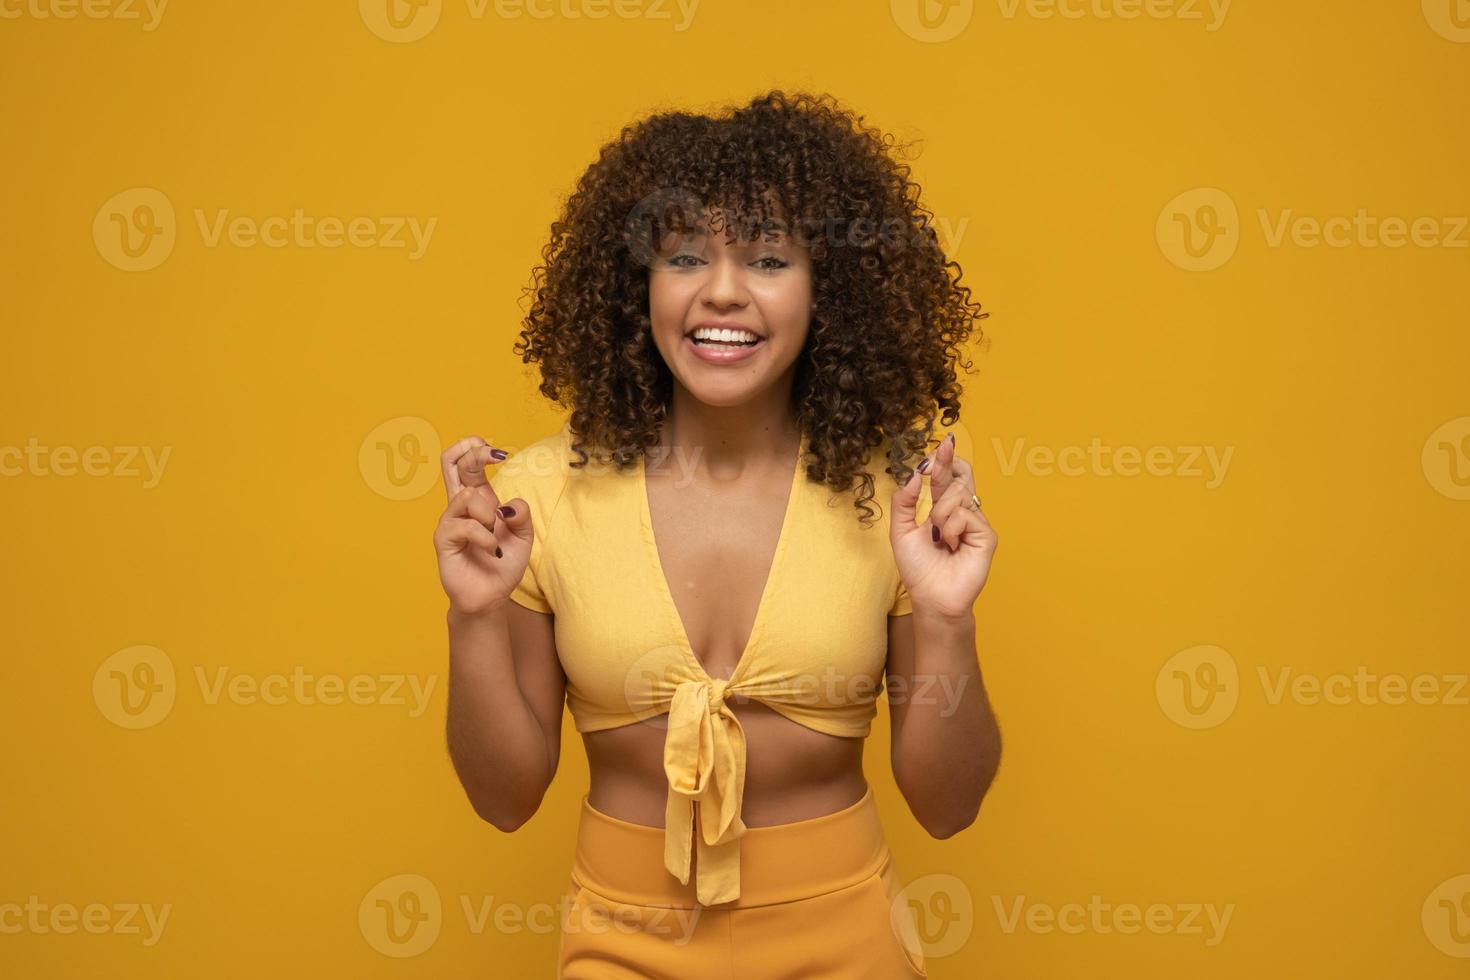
x,y
506,511
924,466
498,453
497,552
935,529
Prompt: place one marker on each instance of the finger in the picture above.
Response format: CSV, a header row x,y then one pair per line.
x,y
904,504
459,503
962,522
471,465
964,471
462,531
514,516
450,457
952,500
482,506
942,470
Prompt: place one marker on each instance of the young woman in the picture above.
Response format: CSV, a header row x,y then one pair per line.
x,y
743,314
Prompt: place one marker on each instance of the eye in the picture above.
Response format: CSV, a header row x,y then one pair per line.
x,y
780,263
675,260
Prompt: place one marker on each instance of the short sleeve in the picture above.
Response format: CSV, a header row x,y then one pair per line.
x,y
902,606
534,476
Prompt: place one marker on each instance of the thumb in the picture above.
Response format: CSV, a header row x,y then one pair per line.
x,y
905,504
513,519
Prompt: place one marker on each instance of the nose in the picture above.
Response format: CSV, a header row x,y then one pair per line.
x,y
725,287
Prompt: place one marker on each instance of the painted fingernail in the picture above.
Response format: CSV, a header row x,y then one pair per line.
x,y
506,511
950,437
936,533
498,454
497,552
924,466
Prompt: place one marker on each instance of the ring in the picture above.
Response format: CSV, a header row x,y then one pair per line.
x,y
977,501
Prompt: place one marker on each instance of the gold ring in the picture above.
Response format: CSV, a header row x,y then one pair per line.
x,y
977,501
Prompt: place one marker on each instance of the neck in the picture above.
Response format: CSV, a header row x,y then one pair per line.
x,y
727,442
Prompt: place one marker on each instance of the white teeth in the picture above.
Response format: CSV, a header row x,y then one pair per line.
x,y
725,336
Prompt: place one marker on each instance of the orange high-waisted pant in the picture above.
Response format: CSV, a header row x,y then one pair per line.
x,y
819,900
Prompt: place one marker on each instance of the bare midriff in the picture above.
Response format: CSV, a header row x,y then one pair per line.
x,y
791,772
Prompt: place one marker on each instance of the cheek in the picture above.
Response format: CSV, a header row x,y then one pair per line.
x,y
788,309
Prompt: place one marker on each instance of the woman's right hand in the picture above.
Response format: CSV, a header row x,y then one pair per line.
x,y
483,543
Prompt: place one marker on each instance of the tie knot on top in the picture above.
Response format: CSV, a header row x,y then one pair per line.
x,y
717,688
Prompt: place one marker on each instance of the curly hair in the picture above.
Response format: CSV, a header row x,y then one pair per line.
x,y
878,365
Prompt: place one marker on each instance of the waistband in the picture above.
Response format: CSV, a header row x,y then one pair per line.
x,y
624,862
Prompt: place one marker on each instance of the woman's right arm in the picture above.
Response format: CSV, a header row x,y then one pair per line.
x,y
506,686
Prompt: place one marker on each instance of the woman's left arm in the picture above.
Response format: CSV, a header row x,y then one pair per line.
x,y
946,743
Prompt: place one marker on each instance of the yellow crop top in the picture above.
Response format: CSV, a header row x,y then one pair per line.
x,y
816,652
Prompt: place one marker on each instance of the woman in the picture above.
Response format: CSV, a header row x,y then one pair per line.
x,y
737,310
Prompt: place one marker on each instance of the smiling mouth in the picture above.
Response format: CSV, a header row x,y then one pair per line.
x,y
726,344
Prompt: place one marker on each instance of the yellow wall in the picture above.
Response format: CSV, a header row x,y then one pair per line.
x,y
1136,630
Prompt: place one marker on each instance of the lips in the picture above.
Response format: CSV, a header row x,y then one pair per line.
x,y
711,354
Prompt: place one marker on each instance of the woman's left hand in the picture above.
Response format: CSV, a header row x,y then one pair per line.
x,y
943,570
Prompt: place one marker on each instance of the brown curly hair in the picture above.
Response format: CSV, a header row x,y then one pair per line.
x,y
878,364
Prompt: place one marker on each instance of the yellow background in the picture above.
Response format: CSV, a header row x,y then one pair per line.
x,y
271,543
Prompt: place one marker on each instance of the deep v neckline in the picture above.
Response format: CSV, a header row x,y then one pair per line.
x,y
666,594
